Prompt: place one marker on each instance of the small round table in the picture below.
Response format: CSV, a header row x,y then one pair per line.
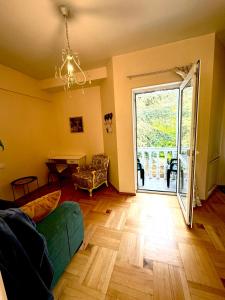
x,y
24,183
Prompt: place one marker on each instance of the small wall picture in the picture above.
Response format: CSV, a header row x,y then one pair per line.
x,y
76,124
108,122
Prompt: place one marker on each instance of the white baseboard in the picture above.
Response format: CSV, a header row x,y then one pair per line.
x,y
211,190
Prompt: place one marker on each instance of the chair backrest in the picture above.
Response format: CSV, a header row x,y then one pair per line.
x,y
139,165
173,164
100,161
52,167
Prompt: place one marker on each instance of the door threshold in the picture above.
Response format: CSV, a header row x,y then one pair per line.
x,y
157,192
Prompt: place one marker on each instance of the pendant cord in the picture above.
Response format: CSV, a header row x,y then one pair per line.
x,y
67,33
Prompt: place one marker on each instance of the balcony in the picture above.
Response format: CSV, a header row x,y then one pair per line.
x,y
155,164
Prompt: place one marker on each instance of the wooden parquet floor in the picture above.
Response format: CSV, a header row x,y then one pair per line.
x,y
138,247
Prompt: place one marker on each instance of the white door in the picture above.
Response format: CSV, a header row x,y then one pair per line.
x,y
188,111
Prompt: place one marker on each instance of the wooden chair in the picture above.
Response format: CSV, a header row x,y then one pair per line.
x,y
55,173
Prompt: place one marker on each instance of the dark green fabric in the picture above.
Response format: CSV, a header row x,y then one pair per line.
x,y
64,233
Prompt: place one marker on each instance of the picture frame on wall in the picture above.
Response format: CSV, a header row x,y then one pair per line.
x,y
76,124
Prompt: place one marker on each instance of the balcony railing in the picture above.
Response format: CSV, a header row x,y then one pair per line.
x,y
155,160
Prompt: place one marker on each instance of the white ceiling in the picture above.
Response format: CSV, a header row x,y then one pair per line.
x,y
32,32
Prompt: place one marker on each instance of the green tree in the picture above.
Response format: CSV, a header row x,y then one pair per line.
x,y
156,118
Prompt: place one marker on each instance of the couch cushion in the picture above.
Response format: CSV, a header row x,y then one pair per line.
x,y
41,207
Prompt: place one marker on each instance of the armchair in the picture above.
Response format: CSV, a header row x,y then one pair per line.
x,y
92,176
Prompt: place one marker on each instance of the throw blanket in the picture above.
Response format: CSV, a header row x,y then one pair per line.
x,y
26,270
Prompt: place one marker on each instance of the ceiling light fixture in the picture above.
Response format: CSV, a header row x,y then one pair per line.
x,y
70,71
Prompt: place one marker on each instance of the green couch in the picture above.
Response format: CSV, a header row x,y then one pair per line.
x,y
64,233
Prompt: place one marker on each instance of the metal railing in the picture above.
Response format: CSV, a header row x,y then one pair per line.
x,y
155,160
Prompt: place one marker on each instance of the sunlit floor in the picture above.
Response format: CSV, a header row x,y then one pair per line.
x,y
159,185
138,247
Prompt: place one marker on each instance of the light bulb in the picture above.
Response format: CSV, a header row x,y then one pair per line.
x,y
70,68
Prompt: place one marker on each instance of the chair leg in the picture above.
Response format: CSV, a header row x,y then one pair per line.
x,y
49,175
90,192
106,183
50,178
143,176
168,178
76,186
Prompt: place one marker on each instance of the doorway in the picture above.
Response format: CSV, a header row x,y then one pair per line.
x,y
156,138
166,138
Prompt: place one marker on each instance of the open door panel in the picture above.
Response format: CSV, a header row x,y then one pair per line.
x,y
187,138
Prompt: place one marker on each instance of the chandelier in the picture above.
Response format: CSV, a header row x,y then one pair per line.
x,y
70,71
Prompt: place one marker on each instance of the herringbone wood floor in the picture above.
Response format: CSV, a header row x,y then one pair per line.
x,y
139,248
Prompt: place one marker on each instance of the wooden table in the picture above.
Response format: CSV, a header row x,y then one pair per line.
x,y
69,162
68,159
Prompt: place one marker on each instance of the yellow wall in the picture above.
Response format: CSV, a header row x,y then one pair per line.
x,y
110,143
218,142
153,59
221,173
75,104
218,97
25,129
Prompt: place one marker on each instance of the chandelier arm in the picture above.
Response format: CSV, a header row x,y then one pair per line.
x,y
61,69
83,81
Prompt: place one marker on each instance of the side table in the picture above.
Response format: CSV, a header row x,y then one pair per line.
x,y
24,183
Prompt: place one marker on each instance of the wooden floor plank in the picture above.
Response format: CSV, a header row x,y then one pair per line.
x,y
162,251
215,237
79,292
169,282
130,282
106,237
198,266
201,292
117,219
77,264
131,249
98,270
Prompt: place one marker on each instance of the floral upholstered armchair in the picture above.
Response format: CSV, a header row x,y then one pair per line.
x,y
92,176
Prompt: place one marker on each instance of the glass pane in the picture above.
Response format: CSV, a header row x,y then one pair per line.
x,y
156,113
185,137
186,114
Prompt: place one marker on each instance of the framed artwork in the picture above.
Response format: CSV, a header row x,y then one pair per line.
x,y
76,124
108,122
